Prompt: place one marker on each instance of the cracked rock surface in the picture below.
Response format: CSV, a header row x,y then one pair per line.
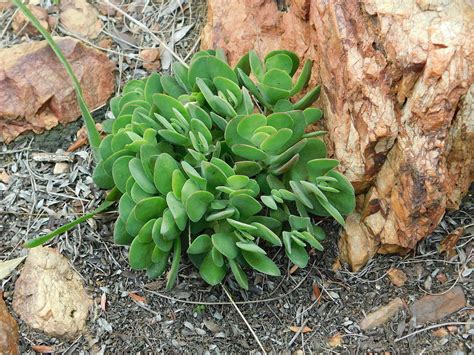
x,y
35,92
49,295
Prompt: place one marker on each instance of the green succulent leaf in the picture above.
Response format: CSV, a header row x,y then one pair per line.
x,y
225,243
250,247
256,65
141,248
261,263
197,203
177,210
140,176
239,274
173,273
121,236
298,255
210,272
266,233
152,86
303,78
202,244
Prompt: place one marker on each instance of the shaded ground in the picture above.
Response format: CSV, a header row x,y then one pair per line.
x,y
195,317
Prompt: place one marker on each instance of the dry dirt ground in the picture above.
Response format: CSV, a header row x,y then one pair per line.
x,y
194,317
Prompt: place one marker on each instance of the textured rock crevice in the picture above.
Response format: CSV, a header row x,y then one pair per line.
x,y
36,92
397,94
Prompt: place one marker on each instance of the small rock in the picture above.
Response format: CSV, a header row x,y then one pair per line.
x,y
432,308
336,265
80,17
60,168
21,25
397,277
335,341
150,58
200,331
9,334
53,21
213,327
428,282
4,177
105,43
5,4
106,9
441,277
49,295
452,329
440,332
382,315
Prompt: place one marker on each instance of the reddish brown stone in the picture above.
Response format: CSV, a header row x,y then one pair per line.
x,y
21,25
150,58
382,314
9,334
432,308
397,277
37,94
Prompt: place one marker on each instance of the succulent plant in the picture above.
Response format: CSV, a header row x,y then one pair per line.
x,y
212,163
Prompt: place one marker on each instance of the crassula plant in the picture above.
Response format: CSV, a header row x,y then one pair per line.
x,y
216,163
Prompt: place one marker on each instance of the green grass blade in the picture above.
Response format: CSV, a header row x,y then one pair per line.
x,y
94,137
46,238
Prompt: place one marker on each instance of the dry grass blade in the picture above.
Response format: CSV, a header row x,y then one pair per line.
x,y
244,319
6,267
146,29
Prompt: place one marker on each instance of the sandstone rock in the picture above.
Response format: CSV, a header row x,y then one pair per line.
x,y
5,4
397,277
35,91
397,92
9,334
150,58
357,249
431,308
382,315
80,17
49,295
21,25
335,341
60,168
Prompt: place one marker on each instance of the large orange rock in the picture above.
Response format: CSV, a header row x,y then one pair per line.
x,y
35,91
397,92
